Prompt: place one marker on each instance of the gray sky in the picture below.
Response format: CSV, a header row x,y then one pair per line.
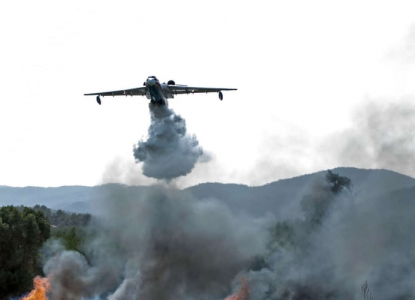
x,y
301,68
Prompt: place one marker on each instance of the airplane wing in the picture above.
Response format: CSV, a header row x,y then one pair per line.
x,y
184,89
141,91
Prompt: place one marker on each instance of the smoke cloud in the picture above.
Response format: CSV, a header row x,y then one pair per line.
x,y
160,244
164,244
168,151
71,276
341,242
382,136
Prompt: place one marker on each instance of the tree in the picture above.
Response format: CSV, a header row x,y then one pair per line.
x,y
316,204
72,238
22,233
337,183
61,218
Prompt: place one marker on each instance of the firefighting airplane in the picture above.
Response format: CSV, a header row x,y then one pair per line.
x,y
158,92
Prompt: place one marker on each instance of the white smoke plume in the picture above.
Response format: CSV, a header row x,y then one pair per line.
x,y
168,151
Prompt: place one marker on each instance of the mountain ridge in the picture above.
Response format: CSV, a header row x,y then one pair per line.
x,y
281,197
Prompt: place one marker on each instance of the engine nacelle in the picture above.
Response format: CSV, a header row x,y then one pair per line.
x,y
220,96
99,100
171,82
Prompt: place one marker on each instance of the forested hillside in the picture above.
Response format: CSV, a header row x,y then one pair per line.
x,y
61,218
23,232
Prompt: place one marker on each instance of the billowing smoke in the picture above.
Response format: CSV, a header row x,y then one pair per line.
x,y
72,277
341,242
161,244
382,136
168,151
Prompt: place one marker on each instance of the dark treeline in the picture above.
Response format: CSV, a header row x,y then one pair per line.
x,y
61,218
23,232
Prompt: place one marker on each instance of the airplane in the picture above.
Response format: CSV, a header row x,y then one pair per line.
x,y
158,93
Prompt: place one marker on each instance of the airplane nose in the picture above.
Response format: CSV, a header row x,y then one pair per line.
x,y
150,81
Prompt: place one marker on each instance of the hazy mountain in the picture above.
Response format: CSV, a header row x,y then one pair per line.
x,y
51,197
281,197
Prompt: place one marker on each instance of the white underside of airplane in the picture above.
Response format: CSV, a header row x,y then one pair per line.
x,y
158,93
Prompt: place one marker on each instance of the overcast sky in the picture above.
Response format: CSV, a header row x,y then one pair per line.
x,y
302,68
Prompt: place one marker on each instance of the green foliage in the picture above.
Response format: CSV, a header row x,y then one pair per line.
x,y
22,233
72,238
62,218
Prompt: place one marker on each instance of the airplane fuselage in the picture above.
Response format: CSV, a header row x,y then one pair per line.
x,y
157,92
